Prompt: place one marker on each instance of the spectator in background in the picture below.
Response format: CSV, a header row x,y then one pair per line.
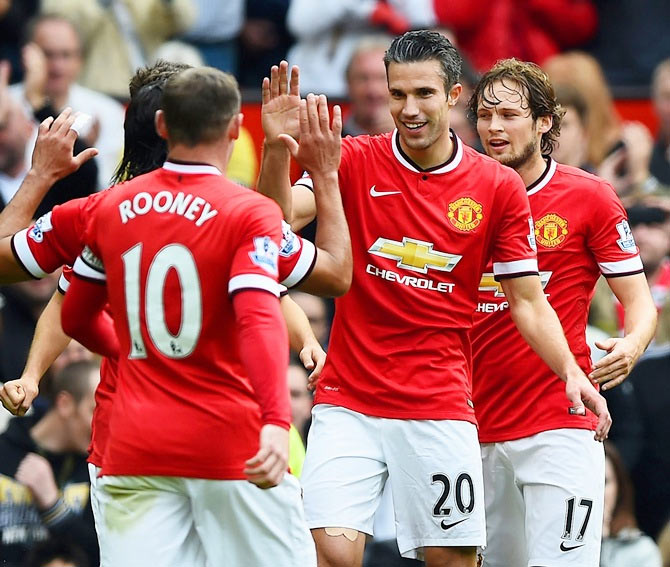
x,y
24,303
327,33
367,89
214,32
624,545
301,398
530,30
650,471
56,553
573,139
660,94
13,16
44,471
619,152
264,40
317,313
120,36
52,59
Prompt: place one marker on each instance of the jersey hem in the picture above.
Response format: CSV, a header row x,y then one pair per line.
x,y
205,473
523,433
396,414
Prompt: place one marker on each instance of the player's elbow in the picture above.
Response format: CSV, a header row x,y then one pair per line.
x,y
341,283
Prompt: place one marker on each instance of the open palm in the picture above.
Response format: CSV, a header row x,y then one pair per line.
x,y
280,112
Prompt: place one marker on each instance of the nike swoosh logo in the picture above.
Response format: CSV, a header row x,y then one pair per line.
x,y
565,548
376,193
446,526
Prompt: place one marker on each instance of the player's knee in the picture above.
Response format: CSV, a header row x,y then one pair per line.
x,y
450,556
339,547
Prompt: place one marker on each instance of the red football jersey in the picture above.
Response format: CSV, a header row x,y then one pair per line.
x,y
57,238
399,344
174,245
581,232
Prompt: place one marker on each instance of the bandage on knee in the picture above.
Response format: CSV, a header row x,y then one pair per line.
x,y
350,534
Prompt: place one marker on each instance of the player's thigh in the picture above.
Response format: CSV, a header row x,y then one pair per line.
x,y
240,525
562,474
435,472
147,521
505,513
344,471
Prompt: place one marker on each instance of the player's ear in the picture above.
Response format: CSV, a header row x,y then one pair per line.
x,y
159,122
454,93
235,126
544,124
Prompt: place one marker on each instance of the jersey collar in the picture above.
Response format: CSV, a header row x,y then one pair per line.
x,y
447,166
194,168
545,178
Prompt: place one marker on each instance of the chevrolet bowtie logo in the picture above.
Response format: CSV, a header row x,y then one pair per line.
x,y
414,255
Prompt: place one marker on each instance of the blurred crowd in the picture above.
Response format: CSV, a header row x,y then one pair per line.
x,y
82,53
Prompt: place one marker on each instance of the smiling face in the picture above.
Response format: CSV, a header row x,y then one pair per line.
x,y
506,127
420,109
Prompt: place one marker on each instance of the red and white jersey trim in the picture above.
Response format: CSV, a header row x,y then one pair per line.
x,y
452,164
544,179
517,267
63,284
622,267
254,281
86,271
191,168
25,256
303,266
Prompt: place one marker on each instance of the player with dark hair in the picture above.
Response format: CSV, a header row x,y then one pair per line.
x,y
193,362
543,471
425,214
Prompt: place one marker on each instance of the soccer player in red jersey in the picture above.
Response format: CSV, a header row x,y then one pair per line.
x,y
201,405
543,471
426,214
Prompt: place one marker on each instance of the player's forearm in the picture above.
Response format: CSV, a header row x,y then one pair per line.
x,y
49,340
540,327
332,234
10,270
274,177
640,315
262,345
20,210
300,333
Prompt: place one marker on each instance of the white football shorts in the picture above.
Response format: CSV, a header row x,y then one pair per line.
x,y
434,467
177,521
544,500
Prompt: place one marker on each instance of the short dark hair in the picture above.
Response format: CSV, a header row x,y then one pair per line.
x,y
74,379
569,96
535,87
424,45
198,104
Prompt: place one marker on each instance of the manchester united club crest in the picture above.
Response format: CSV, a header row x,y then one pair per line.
x,y
465,214
551,230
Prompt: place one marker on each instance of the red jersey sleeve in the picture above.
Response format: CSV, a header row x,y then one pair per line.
x,y
55,239
514,252
255,262
610,238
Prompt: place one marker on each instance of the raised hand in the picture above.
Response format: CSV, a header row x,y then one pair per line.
x,y
281,103
53,156
18,395
320,144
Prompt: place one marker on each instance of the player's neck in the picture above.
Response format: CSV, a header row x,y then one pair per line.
x,y
210,154
436,154
532,169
